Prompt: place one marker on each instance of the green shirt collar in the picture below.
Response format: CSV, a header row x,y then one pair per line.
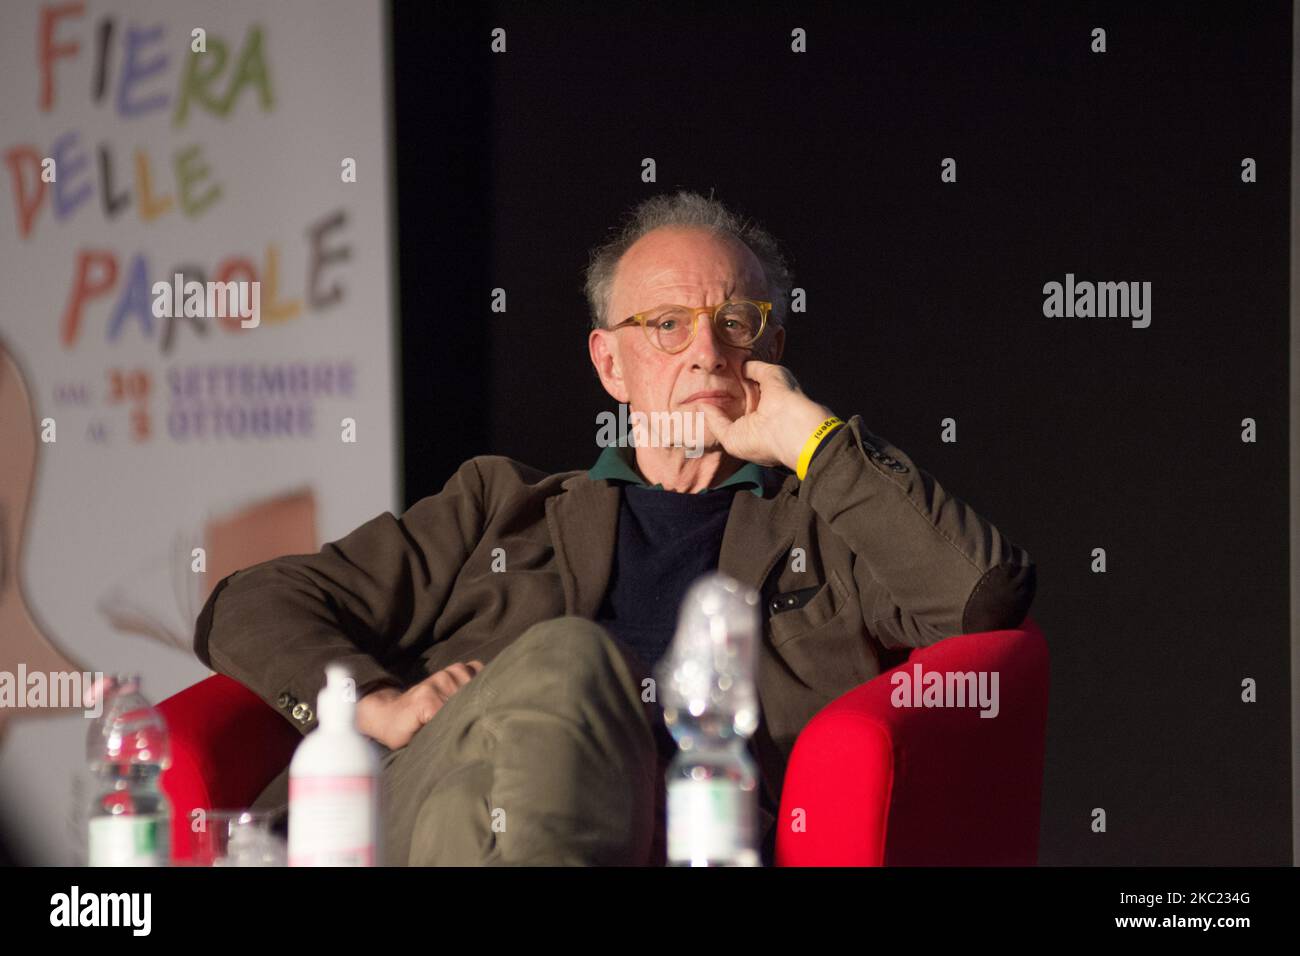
x,y
618,463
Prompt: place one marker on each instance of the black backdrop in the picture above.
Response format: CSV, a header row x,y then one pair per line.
x,y
925,302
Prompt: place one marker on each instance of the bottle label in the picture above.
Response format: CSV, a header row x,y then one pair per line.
x,y
125,841
333,821
710,821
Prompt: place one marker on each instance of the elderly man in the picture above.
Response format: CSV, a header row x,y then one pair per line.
x,y
501,631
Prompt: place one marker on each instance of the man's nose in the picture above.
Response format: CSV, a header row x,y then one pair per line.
x,y
706,352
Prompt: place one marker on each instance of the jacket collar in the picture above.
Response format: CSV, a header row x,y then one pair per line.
x,y
618,463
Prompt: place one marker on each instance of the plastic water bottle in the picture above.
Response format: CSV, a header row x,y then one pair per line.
x,y
85,778
711,708
127,751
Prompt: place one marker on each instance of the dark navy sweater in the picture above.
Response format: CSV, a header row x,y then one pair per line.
x,y
666,540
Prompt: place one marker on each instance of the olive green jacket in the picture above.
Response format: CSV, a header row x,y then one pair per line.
x,y
867,552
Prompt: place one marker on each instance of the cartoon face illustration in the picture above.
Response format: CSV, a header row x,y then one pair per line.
x,y
160,597
22,638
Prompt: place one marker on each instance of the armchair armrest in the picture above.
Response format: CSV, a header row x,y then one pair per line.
x,y
870,783
226,744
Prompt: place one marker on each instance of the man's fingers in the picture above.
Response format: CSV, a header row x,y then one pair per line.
x,y
765,372
753,375
429,702
461,673
443,683
718,423
437,687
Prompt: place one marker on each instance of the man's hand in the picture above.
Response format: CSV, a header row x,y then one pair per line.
x,y
778,421
392,716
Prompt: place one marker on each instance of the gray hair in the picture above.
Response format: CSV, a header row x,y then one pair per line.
x,y
687,210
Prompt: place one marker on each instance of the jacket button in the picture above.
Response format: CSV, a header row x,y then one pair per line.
x,y
284,700
298,711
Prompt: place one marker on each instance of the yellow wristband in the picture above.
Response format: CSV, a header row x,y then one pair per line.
x,y
810,446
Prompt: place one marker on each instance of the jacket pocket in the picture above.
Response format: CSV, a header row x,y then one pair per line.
x,y
825,642
822,607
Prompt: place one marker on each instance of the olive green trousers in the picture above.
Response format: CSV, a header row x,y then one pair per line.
x,y
547,757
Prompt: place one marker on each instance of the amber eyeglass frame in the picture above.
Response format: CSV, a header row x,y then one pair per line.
x,y
641,318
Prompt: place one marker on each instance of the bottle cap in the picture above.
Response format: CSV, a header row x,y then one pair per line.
x,y
336,704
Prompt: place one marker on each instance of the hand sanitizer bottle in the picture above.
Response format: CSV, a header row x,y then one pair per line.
x,y
334,784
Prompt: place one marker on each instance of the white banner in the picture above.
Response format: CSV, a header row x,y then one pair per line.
x,y
156,157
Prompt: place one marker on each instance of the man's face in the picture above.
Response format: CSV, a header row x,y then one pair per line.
x,y
690,267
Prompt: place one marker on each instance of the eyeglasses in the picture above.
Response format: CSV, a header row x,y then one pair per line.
x,y
671,328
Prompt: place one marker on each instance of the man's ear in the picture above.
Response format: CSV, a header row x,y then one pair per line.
x,y
603,349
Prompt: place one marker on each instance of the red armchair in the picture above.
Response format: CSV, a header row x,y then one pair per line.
x,y
868,783
871,784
